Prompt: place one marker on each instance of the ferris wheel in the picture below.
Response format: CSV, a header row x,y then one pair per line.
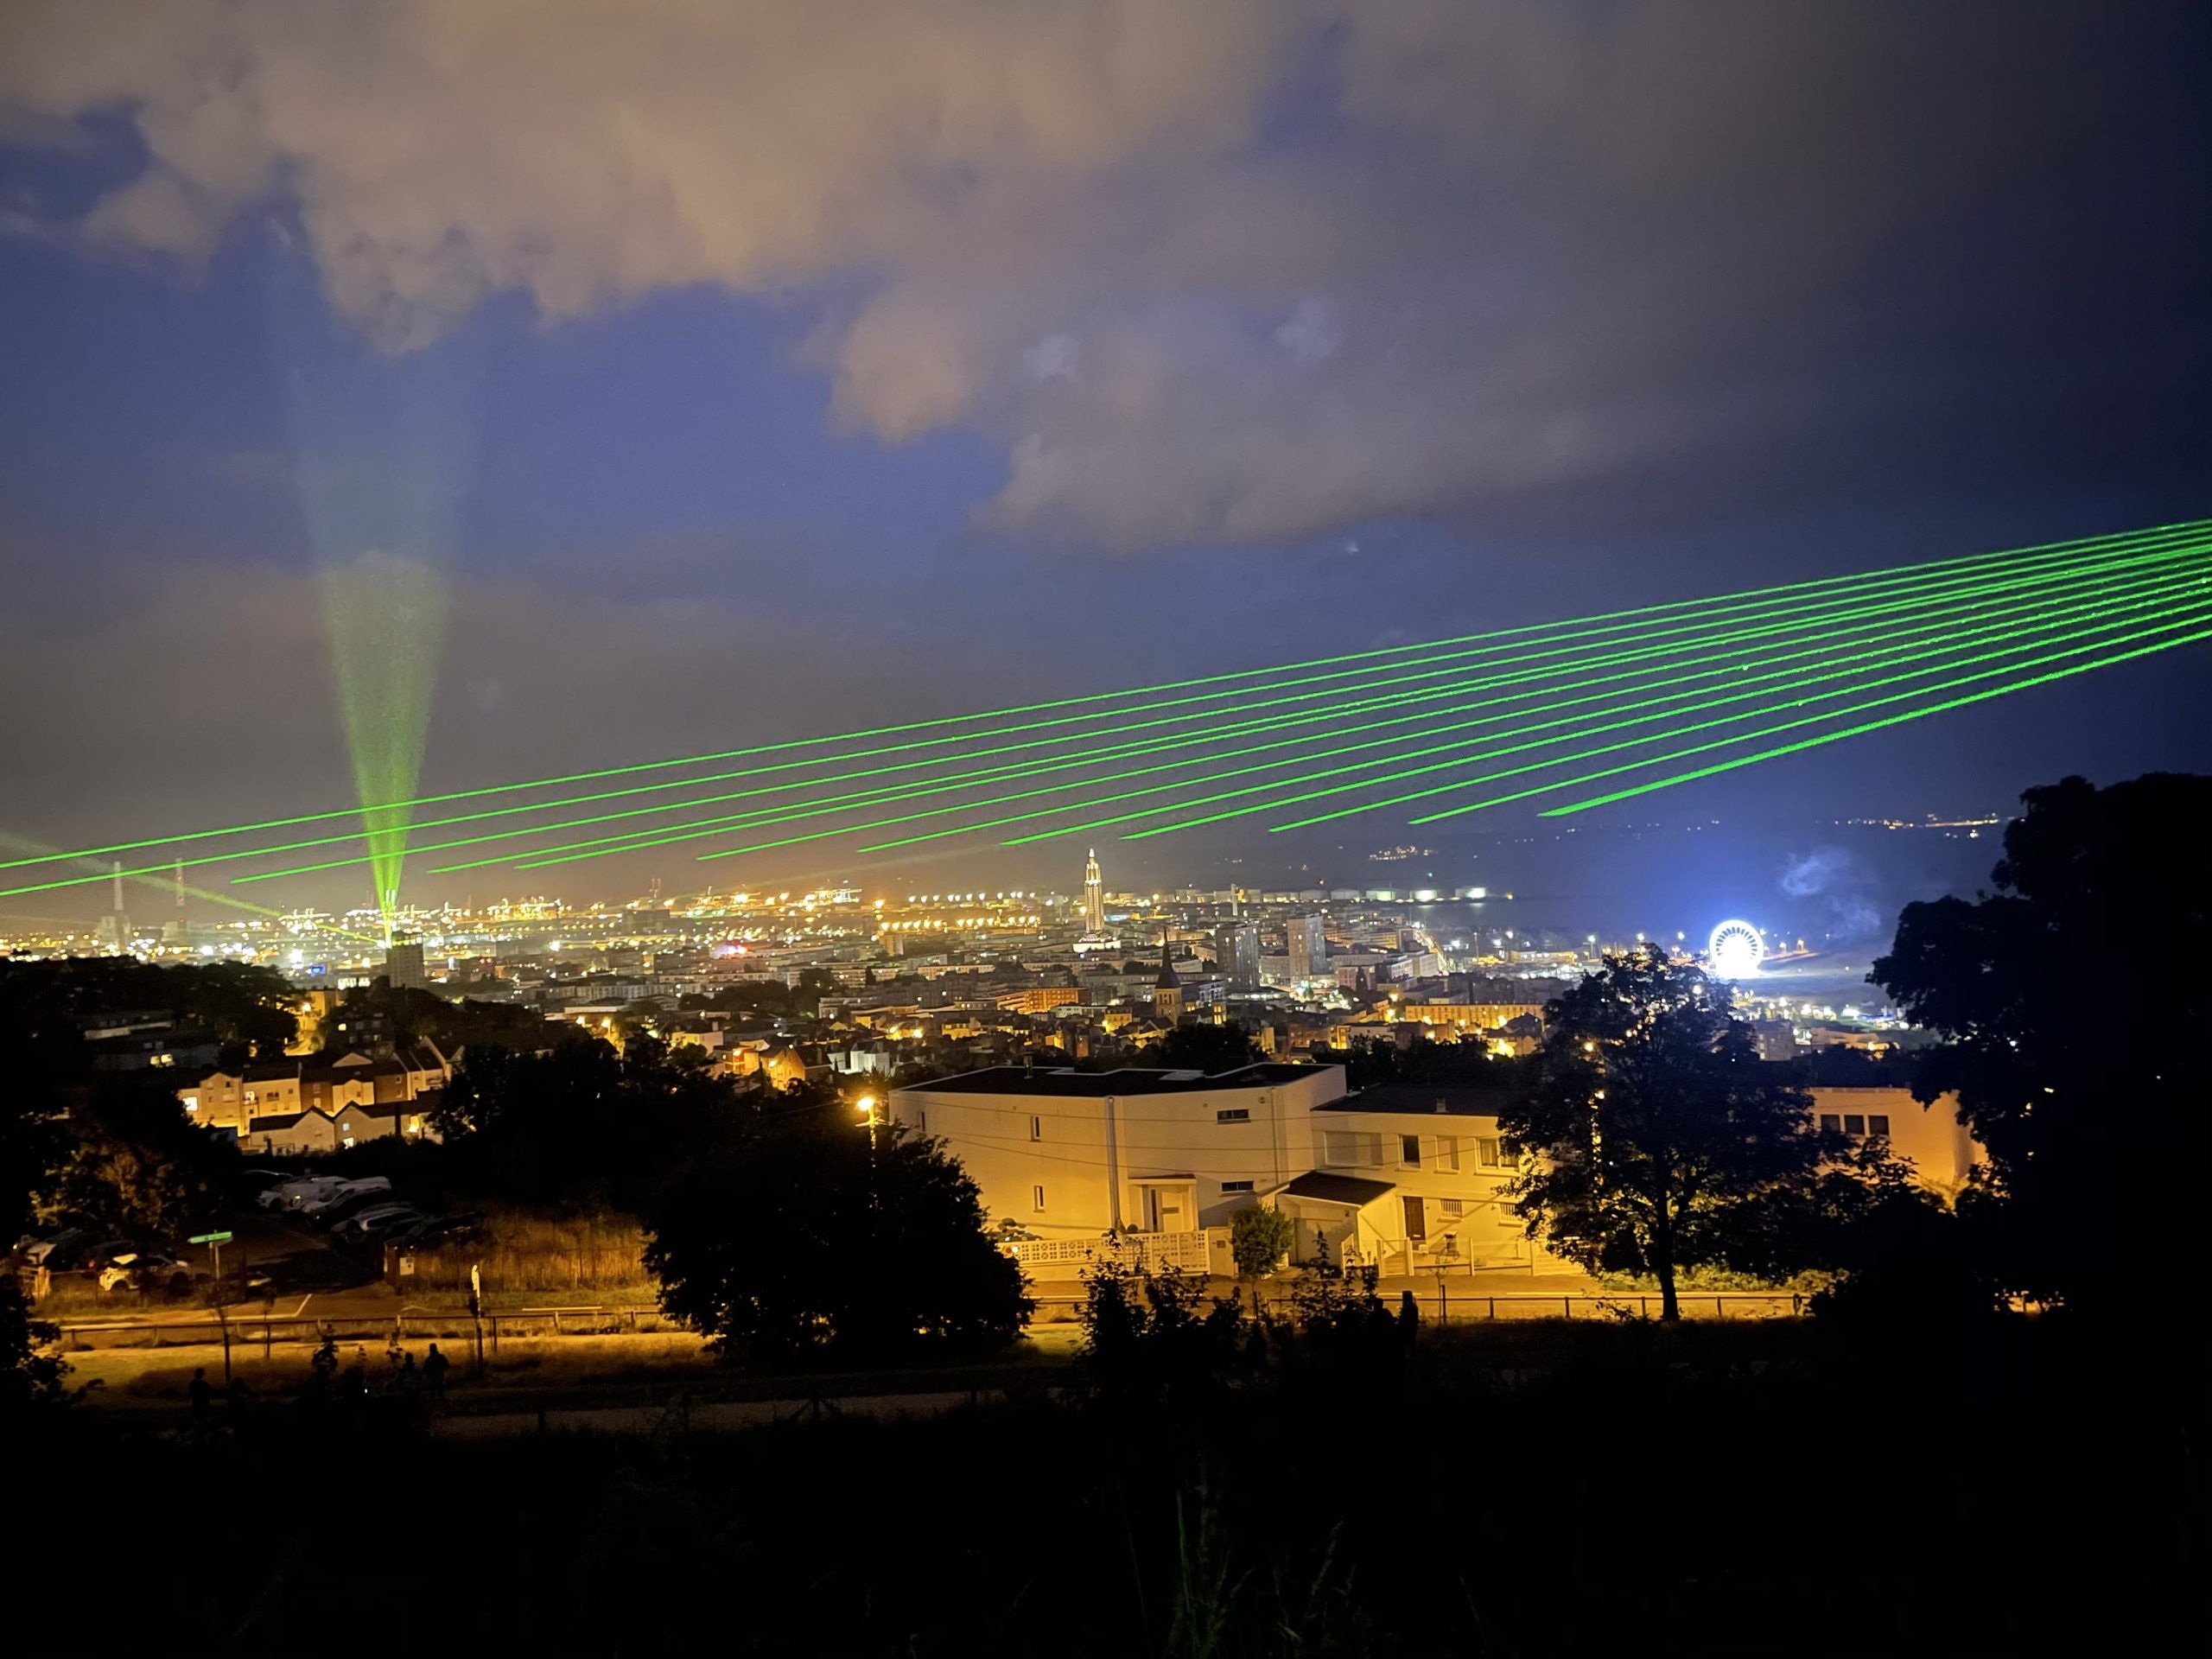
x,y
1735,950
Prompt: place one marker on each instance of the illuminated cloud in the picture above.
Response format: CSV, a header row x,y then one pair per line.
x,y
1237,271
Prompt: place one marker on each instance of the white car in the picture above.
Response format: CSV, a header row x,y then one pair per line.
x,y
147,1267
289,1195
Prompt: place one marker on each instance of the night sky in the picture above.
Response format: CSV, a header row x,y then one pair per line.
x,y
747,370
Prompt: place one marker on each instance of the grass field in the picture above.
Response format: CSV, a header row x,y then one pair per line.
x,y
609,1363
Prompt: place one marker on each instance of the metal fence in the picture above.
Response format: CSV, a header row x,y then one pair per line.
x,y
405,1325
1445,1305
1071,1255
1454,1306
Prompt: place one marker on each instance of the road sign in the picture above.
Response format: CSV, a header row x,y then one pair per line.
x,y
209,1238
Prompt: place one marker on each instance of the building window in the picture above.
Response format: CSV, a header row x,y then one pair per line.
x,y
1452,1207
1489,1152
1236,1186
192,1102
1447,1150
1233,1115
1877,1123
1037,1133
1344,1148
1854,1124
1831,1124
1036,1198
1409,1151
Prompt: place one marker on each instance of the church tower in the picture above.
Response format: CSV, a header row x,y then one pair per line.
x,y
1167,990
1094,897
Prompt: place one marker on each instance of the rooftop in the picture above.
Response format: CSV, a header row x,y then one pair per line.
x,y
1337,1189
1127,1080
1419,1098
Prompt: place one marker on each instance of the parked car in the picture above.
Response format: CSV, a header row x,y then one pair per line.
x,y
259,1179
430,1232
364,1223
289,1195
44,1252
333,1198
145,1269
87,1254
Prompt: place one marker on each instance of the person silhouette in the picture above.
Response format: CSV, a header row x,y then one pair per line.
x,y
202,1393
434,1369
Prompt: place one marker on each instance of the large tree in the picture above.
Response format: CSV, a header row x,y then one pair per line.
x,y
1658,1139
2074,1005
818,1235
582,1124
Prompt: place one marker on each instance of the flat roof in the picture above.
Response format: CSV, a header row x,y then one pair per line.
x,y
1419,1098
1095,1085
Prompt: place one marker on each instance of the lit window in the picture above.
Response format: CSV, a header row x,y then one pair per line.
x,y
1233,1115
1409,1151
1037,1198
1236,1186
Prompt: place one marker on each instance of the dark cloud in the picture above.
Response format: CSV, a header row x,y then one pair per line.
x,y
1250,271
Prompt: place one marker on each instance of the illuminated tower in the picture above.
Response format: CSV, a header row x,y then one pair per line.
x,y
1094,896
1167,990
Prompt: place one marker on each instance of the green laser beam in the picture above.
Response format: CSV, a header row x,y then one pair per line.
x,y
1884,655
665,835
1468,783
2052,549
1861,729
1459,756
1458,749
1948,586
1835,713
2047,581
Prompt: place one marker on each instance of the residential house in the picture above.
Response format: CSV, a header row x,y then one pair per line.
x,y
1072,1154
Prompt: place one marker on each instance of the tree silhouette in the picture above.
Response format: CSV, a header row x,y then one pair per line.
x,y
1661,1141
1205,1048
2094,1120
814,1236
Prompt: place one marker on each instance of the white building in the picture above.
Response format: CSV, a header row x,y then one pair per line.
x,y
1409,1179
1072,1154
